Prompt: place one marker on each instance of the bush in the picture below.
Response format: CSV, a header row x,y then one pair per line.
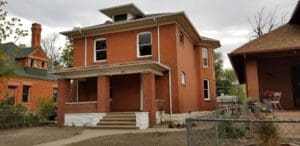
x,y
268,133
11,115
229,130
47,108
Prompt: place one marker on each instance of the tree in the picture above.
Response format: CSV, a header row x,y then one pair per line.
x,y
263,22
52,51
67,54
9,28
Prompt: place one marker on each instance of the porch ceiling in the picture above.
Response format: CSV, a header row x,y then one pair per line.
x,y
112,69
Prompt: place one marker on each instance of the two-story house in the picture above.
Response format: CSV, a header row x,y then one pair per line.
x,y
138,64
31,80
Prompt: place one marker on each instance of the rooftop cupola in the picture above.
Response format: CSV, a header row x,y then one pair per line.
x,y
123,12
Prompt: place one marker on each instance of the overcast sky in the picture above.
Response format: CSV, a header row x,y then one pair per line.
x,y
225,20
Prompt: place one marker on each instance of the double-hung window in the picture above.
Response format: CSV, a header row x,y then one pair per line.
x,y
144,44
26,93
205,57
100,50
206,89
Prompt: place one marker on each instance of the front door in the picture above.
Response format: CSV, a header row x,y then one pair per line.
x,y
296,84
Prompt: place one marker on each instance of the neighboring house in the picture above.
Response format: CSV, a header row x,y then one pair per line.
x,y
31,80
272,62
137,63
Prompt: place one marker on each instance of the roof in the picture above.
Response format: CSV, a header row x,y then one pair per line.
x,y
282,39
131,8
148,20
113,69
11,49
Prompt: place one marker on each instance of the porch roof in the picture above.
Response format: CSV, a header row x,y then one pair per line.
x,y
112,69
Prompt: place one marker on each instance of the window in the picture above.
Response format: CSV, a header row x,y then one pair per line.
x,y
31,63
182,78
121,17
55,94
181,37
100,50
205,57
144,44
26,92
206,89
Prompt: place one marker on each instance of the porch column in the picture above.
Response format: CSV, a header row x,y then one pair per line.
x,y
103,88
252,79
63,95
148,90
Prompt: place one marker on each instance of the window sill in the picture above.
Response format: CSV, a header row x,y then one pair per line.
x,y
144,57
100,61
206,67
207,100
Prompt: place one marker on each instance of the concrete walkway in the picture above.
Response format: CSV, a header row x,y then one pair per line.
x,y
92,133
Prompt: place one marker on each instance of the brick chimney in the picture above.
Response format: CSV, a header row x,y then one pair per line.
x,y
36,30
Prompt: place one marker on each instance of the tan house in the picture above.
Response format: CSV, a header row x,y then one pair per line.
x,y
272,62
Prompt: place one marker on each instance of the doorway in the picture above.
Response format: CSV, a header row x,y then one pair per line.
x,y
296,84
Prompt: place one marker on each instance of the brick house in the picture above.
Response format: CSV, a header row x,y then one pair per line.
x,y
139,63
272,62
31,79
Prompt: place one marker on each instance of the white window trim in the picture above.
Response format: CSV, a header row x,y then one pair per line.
x,y
183,78
208,89
138,46
205,66
94,51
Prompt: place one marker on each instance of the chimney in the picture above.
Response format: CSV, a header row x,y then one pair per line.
x,y
36,30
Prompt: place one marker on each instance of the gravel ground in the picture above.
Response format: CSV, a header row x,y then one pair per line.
x,y
35,135
138,139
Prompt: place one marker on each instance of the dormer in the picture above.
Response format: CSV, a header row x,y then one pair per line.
x,y
123,12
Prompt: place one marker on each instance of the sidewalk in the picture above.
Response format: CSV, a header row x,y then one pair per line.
x,y
92,133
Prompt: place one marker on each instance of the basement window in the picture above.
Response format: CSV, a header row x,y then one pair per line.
x,y
100,50
144,44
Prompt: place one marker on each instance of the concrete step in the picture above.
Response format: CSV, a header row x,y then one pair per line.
x,y
117,123
117,119
119,116
120,113
117,127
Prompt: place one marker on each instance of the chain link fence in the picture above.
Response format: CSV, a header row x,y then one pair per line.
x,y
237,126
14,118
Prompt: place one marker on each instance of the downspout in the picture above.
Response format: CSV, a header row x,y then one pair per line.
x,y
158,39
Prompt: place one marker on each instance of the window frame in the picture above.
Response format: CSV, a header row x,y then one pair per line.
x,y
95,51
28,94
183,78
138,45
114,19
55,98
208,90
207,58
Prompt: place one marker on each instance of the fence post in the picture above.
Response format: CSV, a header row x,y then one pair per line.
x,y
217,134
189,131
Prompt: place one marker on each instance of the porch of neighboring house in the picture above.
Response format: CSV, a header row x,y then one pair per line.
x,y
276,72
111,97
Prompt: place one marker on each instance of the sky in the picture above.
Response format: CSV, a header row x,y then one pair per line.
x,y
225,20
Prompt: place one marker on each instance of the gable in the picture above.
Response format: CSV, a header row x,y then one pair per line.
x,y
38,53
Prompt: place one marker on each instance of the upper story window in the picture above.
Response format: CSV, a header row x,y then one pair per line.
x,y
100,50
182,78
144,44
26,92
206,89
181,37
121,17
205,57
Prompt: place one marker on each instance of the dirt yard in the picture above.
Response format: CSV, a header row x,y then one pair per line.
x,y
138,139
35,135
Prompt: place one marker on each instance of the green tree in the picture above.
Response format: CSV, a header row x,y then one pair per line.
x,y
67,54
9,28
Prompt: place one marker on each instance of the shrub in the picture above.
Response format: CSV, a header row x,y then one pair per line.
x,y
47,108
11,115
229,130
268,133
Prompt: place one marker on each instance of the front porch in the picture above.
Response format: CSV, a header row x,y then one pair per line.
x,y
87,96
276,72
